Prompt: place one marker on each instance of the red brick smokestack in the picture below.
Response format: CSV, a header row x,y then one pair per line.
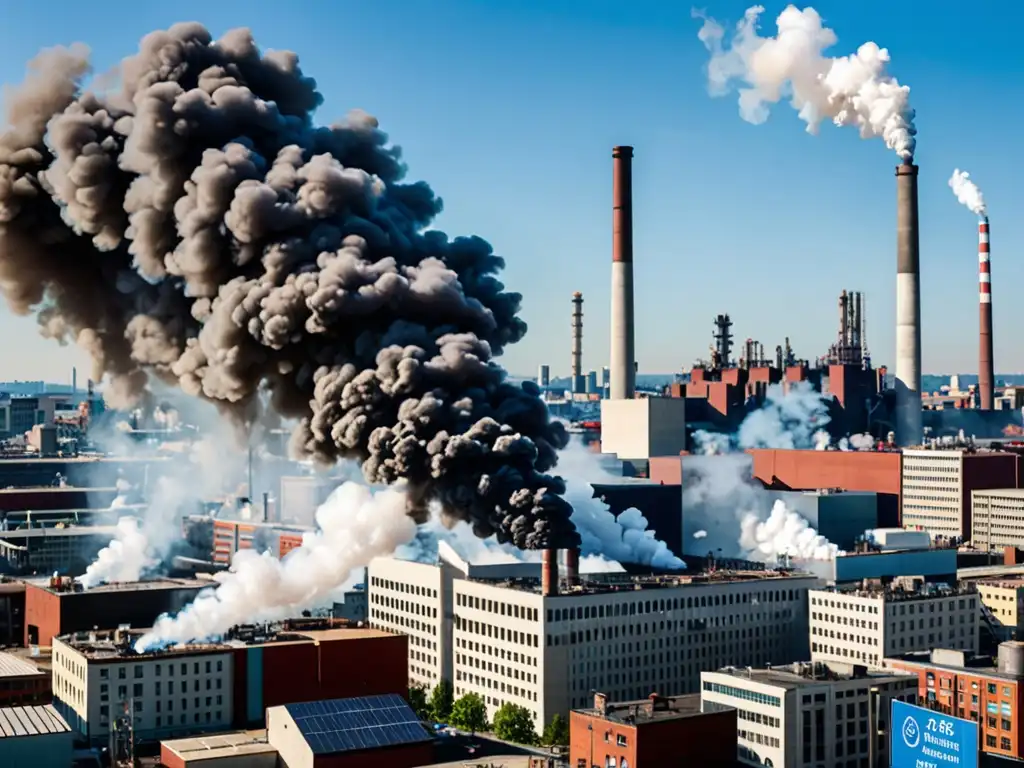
x,y
986,368
622,362
572,567
549,572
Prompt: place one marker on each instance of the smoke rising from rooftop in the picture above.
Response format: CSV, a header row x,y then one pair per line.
x,y
854,90
784,534
967,192
197,228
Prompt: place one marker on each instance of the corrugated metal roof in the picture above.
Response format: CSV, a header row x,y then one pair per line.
x,y
31,721
12,666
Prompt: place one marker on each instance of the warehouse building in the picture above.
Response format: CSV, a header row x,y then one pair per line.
x,y
240,749
47,550
938,483
34,736
839,516
997,518
890,554
229,536
656,731
209,687
809,715
865,625
59,606
1002,603
507,639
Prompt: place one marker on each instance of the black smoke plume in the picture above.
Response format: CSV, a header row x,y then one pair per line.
x,y
195,226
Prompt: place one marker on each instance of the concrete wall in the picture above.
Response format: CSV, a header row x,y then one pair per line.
x,y
639,429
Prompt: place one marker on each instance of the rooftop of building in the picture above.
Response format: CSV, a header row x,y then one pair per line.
x,y
803,674
218,746
12,666
955,661
1015,582
31,721
653,709
615,582
118,644
80,459
64,586
107,531
58,489
895,592
1013,493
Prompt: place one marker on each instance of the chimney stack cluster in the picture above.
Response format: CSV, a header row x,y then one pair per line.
x,y
549,570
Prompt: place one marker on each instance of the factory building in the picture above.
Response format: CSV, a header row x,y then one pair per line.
x,y
81,472
809,715
652,732
200,688
864,625
34,736
229,536
49,550
974,688
997,518
872,471
937,485
301,496
22,683
12,611
510,636
639,428
893,553
58,606
1002,603
55,498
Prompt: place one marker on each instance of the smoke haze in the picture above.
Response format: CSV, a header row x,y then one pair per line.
x,y
195,227
854,90
967,192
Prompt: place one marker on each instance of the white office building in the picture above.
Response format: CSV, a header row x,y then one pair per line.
x,y
997,518
96,679
865,625
503,639
809,715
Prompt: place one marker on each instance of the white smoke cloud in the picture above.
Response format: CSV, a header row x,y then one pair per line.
x,y
355,525
784,534
852,90
700,534
967,192
723,500
125,558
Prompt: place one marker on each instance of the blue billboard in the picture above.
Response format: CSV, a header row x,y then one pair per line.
x,y
925,739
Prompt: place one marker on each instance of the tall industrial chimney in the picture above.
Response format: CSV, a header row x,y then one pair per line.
x,y
577,343
623,367
986,368
572,567
908,309
549,572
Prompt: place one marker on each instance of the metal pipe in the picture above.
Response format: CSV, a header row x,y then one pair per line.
x,y
908,309
986,366
623,356
572,567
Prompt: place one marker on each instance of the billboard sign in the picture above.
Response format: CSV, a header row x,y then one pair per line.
x,y
922,738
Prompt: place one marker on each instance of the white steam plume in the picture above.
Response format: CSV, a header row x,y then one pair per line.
x,y
355,525
700,534
784,534
967,192
852,90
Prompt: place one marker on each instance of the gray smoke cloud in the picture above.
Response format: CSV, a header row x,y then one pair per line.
x,y
195,227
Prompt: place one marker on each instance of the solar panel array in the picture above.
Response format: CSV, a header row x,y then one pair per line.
x,y
345,725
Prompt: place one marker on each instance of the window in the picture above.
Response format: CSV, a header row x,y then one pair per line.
x,y
620,740
122,673
138,672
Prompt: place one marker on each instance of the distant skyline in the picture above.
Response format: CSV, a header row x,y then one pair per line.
x,y
510,112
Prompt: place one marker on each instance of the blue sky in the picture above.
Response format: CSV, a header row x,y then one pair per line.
x,y
510,111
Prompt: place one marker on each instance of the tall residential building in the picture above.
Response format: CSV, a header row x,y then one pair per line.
x,y
504,639
863,626
937,486
810,715
997,518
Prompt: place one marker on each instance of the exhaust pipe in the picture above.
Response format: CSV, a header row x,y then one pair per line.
x,y
549,572
908,309
572,567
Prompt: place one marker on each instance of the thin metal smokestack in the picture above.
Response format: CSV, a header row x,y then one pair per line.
x,y
577,342
908,309
623,366
986,367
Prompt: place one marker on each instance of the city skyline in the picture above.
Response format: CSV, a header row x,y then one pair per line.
x,y
718,227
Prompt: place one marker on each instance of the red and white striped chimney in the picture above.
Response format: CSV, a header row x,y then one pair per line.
x,y
986,368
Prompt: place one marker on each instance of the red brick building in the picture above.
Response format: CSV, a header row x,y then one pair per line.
x,y
657,732
974,689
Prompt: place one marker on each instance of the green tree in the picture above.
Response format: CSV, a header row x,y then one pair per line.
x,y
514,723
469,713
556,732
441,701
418,701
